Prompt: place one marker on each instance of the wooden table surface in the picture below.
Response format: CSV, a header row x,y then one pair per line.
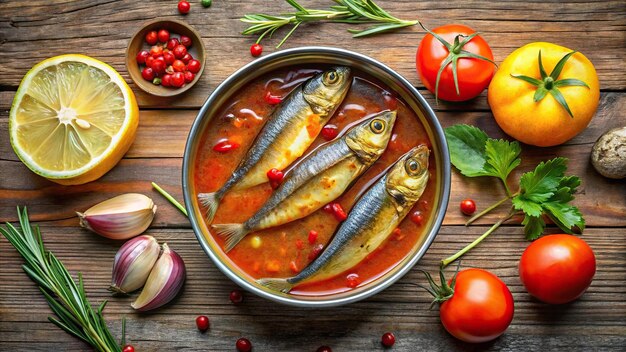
x,y
31,31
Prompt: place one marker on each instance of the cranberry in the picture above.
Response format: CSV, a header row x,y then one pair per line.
x,y
468,207
315,252
338,211
329,132
163,35
193,66
178,79
183,7
256,49
149,61
141,57
186,58
156,51
417,217
272,99
171,44
159,66
185,40
202,322
243,345
312,236
324,349
236,296
169,57
166,81
353,280
152,37
388,339
178,66
147,73
179,51
128,348
189,76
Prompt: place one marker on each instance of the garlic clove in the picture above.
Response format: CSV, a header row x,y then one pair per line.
x,y
120,217
133,263
165,281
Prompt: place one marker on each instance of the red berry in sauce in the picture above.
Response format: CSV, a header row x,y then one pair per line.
x,y
338,211
299,244
329,132
353,280
256,49
178,79
243,345
152,37
185,40
169,57
163,35
149,61
236,296
184,7
141,57
328,208
193,66
294,267
147,73
178,66
224,146
315,252
171,44
388,339
186,58
189,76
275,175
312,236
272,99
202,322
159,65
417,217
179,51
128,348
166,81
468,207
324,349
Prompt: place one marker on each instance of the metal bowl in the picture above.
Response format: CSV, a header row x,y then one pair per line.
x,y
319,55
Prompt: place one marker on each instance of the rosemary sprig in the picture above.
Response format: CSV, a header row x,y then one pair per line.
x,y
66,298
346,11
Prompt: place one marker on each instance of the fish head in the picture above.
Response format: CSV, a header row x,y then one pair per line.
x,y
407,178
369,139
325,91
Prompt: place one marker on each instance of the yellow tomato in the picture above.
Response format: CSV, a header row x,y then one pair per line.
x,y
545,122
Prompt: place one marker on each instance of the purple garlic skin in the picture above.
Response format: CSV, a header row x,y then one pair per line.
x,y
133,263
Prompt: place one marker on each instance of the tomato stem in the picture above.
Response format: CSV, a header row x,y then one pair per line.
x,y
449,260
487,210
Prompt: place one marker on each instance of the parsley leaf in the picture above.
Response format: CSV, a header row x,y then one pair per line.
x,y
502,157
541,184
533,227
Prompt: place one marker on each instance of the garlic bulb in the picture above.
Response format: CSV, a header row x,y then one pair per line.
x,y
121,217
165,281
133,263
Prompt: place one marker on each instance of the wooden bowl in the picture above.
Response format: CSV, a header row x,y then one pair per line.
x,y
138,43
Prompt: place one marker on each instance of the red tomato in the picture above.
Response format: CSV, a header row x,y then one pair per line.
x,y
473,74
480,309
557,268
468,206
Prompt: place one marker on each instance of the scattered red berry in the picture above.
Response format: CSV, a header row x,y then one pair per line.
x,y
272,99
338,211
178,79
243,345
256,49
315,252
417,217
312,236
141,57
186,58
202,322
224,146
166,81
275,175
184,7
163,35
193,66
324,349
468,207
128,348
152,37
328,208
185,40
388,339
353,280
329,132
147,73
236,296
189,76
179,51
178,66
171,44
169,57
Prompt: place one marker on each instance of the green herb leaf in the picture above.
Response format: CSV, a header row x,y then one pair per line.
x,y
565,216
539,185
502,157
533,227
467,149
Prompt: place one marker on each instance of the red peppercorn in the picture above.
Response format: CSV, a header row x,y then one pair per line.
x,y
224,146
179,51
468,207
128,348
186,58
178,66
202,322
243,345
141,57
166,81
185,40
339,213
256,49
417,217
169,57
312,236
324,349
171,44
184,7
329,132
152,37
353,280
149,61
388,339
236,296
272,99
193,66
147,73
189,76
163,35
315,252
178,79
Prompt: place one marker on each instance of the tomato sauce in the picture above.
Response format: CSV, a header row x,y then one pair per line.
x,y
285,250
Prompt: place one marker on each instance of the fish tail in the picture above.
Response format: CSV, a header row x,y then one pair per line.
x,y
281,285
211,201
233,233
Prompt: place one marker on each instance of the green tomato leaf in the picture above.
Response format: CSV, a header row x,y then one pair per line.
x,y
541,184
502,157
533,227
565,216
467,149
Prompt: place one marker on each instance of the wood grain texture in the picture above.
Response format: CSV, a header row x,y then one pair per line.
x,y
32,31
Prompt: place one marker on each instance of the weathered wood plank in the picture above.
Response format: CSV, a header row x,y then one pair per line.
x,y
403,308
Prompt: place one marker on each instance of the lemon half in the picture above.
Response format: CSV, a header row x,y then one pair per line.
x,y
72,119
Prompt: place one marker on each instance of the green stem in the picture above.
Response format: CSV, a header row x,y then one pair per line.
x,y
490,208
506,188
449,260
170,198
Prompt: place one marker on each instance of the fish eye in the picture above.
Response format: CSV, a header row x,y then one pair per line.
x,y
377,126
331,77
412,166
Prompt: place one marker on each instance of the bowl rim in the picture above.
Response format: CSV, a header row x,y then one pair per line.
x,y
439,215
170,92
